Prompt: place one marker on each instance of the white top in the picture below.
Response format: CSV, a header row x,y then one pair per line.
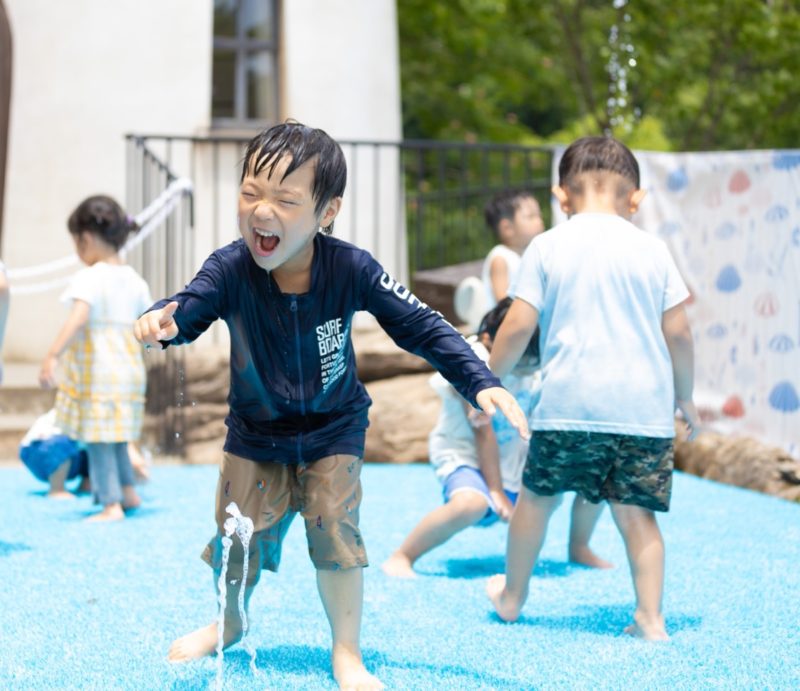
x,y
115,293
452,441
601,285
512,260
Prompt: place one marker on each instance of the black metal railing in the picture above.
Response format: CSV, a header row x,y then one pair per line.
x,y
163,260
414,204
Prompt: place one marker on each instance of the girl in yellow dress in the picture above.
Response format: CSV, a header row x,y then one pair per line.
x,y
100,399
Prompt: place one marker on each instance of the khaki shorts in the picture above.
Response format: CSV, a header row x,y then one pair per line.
x,y
613,467
326,492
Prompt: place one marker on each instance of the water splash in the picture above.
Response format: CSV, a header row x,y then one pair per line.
x,y
243,527
621,61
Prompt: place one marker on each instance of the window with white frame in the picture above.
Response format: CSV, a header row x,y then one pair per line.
x,y
244,89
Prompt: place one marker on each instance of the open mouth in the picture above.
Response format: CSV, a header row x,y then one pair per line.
x,y
265,242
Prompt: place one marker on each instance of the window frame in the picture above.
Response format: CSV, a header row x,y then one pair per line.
x,y
242,47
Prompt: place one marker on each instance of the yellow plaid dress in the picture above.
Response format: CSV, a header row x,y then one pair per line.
x,y
101,391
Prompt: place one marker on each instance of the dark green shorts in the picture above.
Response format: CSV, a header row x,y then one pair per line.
x,y
613,467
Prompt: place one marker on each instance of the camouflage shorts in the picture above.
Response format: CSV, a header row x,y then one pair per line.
x,y
615,467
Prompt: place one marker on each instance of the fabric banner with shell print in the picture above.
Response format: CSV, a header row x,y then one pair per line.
x,y
732,223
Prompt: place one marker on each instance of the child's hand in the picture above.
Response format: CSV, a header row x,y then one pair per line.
x,y
497,397
477,418
156,326
47,375
502,505
690,416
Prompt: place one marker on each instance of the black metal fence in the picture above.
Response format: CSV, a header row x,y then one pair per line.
x,y
447,186
430,194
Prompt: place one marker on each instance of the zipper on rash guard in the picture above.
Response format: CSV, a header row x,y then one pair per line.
x,y
293,308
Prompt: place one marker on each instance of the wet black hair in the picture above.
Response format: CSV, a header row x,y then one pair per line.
x,y
103,216
494,317
303,144
597,153
504,205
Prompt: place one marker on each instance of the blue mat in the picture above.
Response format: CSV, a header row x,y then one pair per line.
x,y
96,606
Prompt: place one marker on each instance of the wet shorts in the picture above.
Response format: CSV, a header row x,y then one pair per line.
x,y
467,479
614,467
327,493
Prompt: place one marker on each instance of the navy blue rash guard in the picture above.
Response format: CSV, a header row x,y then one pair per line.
x,y
295,396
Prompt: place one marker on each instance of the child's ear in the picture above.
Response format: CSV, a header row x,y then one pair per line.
x,y
635,199
563,198
330,213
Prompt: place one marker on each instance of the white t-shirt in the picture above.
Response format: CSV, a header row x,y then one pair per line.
x,y
115,292
451,443
512,260
601,286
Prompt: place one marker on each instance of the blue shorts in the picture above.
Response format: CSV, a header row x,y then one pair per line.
x,y
467,479
43,456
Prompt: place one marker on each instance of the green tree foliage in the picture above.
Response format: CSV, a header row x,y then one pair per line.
x,y
698,75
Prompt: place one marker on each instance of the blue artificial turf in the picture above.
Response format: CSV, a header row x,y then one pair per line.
x,y
96,606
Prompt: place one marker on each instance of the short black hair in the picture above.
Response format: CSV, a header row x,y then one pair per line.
x,y
303,144
494,317
606,154
101,215
504,205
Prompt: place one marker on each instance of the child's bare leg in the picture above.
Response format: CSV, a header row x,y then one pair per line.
x,y
645,548
138,462
463,510
525,538
583,520
342,594
57,480
203,641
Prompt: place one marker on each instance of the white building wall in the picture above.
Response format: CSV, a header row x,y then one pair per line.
x,y
85,73
342,74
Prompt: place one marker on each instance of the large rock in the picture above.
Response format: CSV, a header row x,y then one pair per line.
x,y
404,411
379,357
740,461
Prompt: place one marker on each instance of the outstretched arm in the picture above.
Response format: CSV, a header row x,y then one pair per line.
x,y
513,337
77,319
678,335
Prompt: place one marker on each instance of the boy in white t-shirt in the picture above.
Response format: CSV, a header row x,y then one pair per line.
x,y
515,218
479,463
617,359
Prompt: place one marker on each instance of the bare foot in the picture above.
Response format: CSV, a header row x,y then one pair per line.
x,y
349,671
399,566
585,556
505,608
60,494
130,500
202,642
112,512
647,630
